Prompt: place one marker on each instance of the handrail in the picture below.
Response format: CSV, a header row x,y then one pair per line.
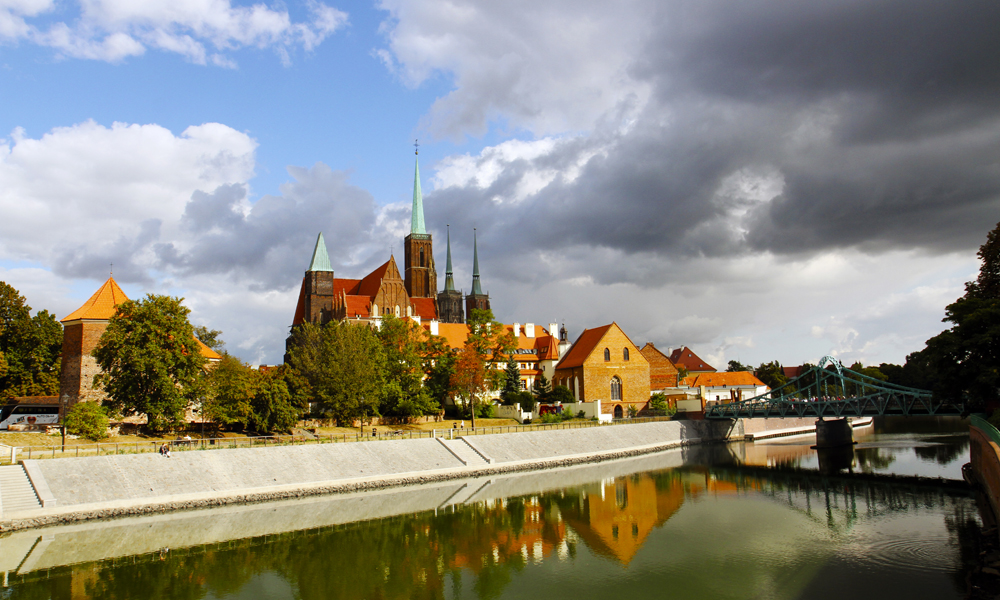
x,y
980,423
381,434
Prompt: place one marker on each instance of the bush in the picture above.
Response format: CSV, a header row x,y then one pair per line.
x,y
561,393
632,411
550,418
524,399
88,420
486,411
581,415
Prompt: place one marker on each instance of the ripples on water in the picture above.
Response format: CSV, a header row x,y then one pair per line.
x,y
721,521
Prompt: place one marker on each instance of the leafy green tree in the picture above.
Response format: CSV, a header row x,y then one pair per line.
x,y
771,374
210,337
439,377
561,394
893,373
88,420
403,344
229,393
736,366
151,364
469,379
477,367
30,348
273,409
525,400
345,366
512,380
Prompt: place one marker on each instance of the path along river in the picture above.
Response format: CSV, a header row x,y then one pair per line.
x,y
744,520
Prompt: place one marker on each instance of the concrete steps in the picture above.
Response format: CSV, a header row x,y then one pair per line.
x,y
464,451
16,491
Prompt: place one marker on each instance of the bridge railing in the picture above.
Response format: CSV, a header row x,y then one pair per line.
x,y
986,427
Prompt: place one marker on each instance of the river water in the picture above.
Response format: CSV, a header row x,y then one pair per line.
x,y
765,520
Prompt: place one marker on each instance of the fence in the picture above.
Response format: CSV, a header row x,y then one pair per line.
x,y
111,448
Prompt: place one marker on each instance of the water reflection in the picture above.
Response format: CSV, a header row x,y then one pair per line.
x,y
732,521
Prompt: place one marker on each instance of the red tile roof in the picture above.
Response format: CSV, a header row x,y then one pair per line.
x,y
684,357
347,286
300,306
425,308
101,305
582,347
357,306
371,283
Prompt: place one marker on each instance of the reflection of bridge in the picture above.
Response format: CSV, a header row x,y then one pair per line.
x,y
830,390
842,500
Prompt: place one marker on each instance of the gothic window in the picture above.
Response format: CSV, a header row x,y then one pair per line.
x,y
616,388
374,310
625,353
421,257
397,310
607,355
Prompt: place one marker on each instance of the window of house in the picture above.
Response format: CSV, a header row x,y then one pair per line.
x,y
607,355
616,388
625,353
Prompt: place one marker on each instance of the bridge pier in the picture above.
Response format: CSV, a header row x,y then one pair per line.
x,y
834,433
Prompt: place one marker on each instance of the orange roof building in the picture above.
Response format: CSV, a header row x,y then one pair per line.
x,y
662,372
604,364
82,329
727,386
684,357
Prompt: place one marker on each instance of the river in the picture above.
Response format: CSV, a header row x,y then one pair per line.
x,y
767,520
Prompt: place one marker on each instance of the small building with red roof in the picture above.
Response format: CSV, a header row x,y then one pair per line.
x,y
662,372
604,364
686,358
727,386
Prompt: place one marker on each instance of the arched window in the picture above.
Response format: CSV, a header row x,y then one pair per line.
x,y
625,353
409,311
421,257
374,310
607,355
616,388
397,311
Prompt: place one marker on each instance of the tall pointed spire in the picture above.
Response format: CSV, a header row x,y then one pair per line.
x,y
449,281
321,258
477,289
417,220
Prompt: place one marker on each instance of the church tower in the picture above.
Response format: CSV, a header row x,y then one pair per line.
x,y
477,299
317,287
419,273
449,301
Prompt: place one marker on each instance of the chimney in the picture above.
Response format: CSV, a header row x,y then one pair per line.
x,y
434,327
529,330
416,318
553,329
517,329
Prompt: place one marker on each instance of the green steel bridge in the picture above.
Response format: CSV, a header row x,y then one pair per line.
x,y
830,390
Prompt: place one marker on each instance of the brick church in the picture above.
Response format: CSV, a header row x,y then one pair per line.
x,y
413,292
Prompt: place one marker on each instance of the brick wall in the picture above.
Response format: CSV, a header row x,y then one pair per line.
x,y
596,374
78,366
662,372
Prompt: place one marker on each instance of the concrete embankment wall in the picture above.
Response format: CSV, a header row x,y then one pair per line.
x,y
113,486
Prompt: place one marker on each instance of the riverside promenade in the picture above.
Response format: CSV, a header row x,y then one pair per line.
x,y
78,489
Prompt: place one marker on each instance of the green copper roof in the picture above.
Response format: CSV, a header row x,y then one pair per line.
x,y
417,221
321,259
449,281
477,290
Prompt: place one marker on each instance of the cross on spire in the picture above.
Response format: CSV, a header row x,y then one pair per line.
x,y
416,146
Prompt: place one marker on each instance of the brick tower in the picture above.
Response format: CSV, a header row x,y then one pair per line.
x,y
418,262
449,301
82,329
477,299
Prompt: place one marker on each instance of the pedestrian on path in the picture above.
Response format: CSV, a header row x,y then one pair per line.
x,y
165,450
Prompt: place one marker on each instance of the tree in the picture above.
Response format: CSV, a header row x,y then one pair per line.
x,y
230,393
512,379
151,364
562,395
403,341
345,366
30,348
88,420
736,366
962,364
771,374
488,342
210,337
542,388
469,378
439,378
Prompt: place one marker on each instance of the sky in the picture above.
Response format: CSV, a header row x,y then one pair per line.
x,y
759,180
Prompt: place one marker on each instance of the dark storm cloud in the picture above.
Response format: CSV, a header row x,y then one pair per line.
x,y
94,261
881,118
271,244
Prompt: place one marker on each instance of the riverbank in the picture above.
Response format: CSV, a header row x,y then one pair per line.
x,y
77,489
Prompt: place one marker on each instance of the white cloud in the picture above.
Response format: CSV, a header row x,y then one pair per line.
x,y
549,67
113,30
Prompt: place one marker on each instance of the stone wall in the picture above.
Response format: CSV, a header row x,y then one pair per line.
x,y
76,377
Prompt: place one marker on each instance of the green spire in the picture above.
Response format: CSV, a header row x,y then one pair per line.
x,y
477,290
321,259
417,220
449,281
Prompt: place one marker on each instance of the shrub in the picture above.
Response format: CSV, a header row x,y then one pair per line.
x,y
550,418
632,410
485,411
88,420
581,415
561,393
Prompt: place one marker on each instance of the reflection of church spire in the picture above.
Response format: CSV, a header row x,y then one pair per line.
x,y
477,289
449,281
417,220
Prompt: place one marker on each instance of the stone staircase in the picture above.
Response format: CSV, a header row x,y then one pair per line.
x,y
16,491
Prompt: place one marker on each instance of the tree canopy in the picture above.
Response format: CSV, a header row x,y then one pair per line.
x,y
405,345
150,361
30,348
477,365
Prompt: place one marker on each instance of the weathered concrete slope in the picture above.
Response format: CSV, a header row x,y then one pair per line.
x,y
89,541
111,486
